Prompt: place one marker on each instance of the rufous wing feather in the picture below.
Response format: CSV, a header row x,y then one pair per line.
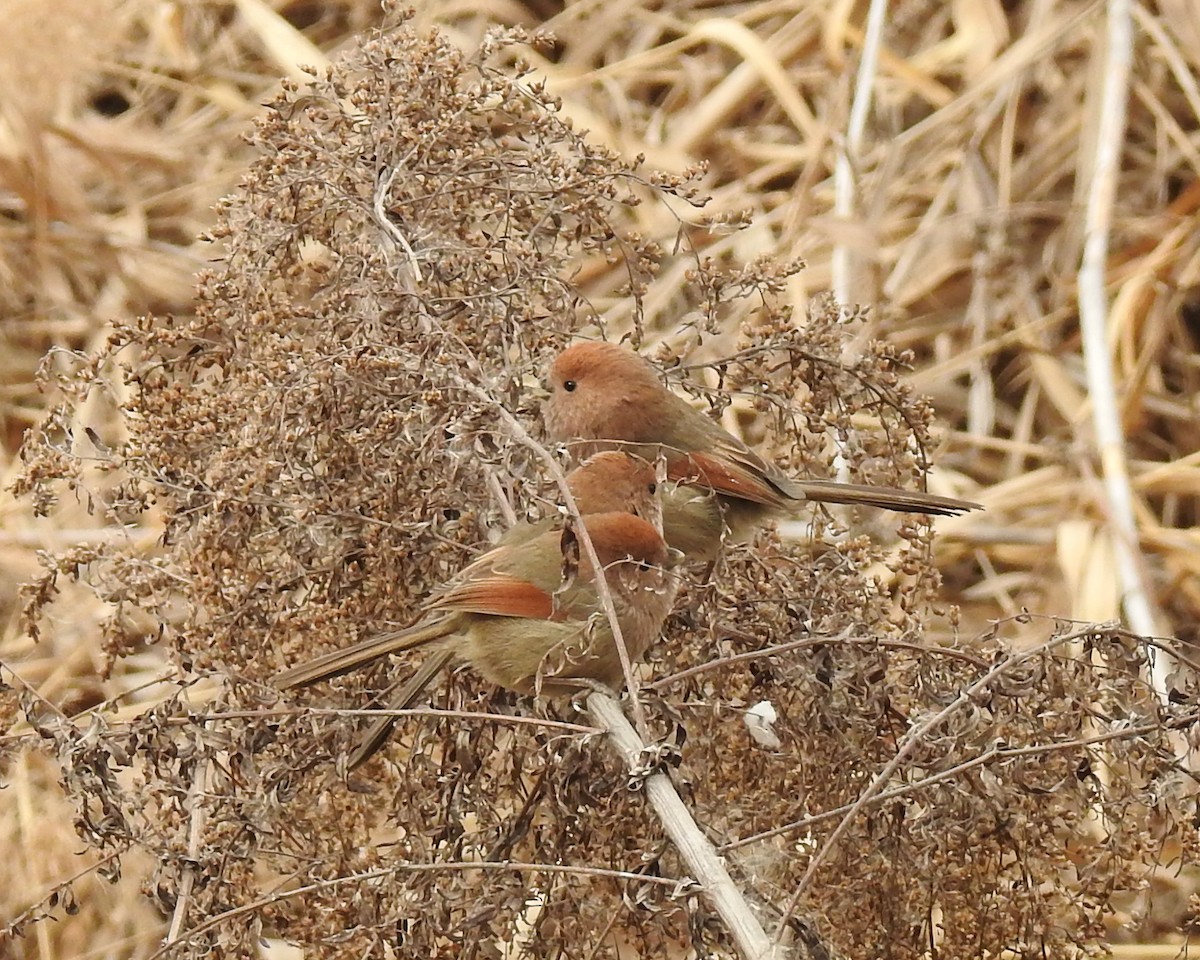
x,y
724,476
497,596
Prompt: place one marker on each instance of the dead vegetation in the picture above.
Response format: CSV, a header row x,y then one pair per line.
x,y
289,459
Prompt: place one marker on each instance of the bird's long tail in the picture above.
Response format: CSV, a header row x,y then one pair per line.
x,y
380,730
889,498
342,661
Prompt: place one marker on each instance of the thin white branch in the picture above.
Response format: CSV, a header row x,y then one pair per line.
x,y
1093,321
197,819
382,189
496,488
844,183
720,890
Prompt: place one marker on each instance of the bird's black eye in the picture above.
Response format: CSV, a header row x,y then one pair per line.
x,y
653,489
644,566
569,386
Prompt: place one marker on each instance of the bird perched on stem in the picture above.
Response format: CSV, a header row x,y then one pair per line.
x,y
604,396
526,614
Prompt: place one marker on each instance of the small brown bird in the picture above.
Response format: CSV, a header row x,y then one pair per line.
x,y
605,396
515,619
512,616
610,481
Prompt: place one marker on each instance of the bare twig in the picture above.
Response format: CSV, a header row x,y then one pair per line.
x,y
752,941
197,817
390,228
778,648
988,756
121,728
1093,320
845,182
400,868
502,501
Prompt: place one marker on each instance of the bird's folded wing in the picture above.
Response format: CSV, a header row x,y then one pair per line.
x,y
498,596
725,475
